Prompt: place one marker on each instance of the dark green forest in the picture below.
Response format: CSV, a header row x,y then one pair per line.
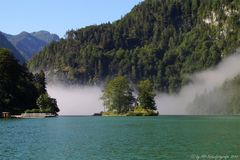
x,y
160,40
21,90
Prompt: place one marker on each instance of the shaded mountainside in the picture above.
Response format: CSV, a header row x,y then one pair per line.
x,y
221,101
29,44
4,43
163,41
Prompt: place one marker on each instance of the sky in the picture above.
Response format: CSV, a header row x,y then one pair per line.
x,y
59,16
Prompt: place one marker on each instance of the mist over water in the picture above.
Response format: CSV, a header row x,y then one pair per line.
x,y
202,82
79,100
76,100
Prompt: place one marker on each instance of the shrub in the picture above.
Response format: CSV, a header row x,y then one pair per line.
x,y
140,111
33,111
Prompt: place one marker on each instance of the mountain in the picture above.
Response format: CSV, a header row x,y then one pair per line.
x,y
163,41
29,44
4,43
45,36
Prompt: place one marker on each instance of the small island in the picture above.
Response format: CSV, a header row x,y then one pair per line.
x,y
23,94
119,100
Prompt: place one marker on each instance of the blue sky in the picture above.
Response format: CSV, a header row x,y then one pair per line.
x,y
58,16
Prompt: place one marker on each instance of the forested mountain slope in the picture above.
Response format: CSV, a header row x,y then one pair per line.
x,y
160,40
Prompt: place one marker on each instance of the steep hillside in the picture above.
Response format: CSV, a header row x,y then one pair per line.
x,y
163,41
4,43
29,44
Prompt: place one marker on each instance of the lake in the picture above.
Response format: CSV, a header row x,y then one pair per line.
x,y
120,138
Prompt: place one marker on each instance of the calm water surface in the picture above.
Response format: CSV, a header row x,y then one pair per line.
x,y
119,138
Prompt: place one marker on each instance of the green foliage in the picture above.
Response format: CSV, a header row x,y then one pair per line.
x,y
33,111
146,95
118,99
16,83
117,95
136,111
113,114
19,89
39,111
142,111
47,104
163,41
41,82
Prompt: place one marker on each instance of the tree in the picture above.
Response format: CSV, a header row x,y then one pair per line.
x,y
10,72
117,95
41,82
47,104
146,95
20,89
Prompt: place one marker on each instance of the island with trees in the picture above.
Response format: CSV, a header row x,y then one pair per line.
x,y
119,100
22,91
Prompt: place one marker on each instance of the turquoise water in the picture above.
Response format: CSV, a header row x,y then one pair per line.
x,y
119,138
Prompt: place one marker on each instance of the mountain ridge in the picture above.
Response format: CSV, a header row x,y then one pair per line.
x,y
4,43
29,44
163,41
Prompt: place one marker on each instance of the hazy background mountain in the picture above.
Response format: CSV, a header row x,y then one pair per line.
x,y
29,44
163,41
45,36
4,43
